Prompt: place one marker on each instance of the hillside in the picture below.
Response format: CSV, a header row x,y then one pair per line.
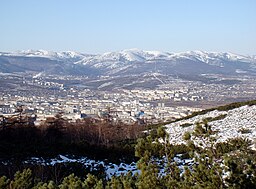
x,y
224,124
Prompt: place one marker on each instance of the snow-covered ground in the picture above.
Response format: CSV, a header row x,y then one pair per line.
x,y
243,118
111,169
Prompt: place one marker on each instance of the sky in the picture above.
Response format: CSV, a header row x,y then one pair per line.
x,y
98,26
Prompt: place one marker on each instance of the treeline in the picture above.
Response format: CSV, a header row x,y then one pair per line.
x,y
58,136
91,138
230,165
205,111
221,108
227,107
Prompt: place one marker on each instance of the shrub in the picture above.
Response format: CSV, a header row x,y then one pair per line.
x,y
186,125
186,136
245,131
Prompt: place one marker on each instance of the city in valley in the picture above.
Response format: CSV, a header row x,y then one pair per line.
x,y
79,97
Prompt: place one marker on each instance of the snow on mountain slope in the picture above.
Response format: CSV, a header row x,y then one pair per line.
x,y
47,54
212,58
135,55
137,61
132,55
236,120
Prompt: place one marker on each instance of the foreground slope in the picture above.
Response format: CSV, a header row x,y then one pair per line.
x,y
225,125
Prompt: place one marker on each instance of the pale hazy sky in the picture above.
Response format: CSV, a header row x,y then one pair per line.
x,y
96,26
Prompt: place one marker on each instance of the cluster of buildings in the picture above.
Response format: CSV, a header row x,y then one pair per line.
x,y
127,106
74,98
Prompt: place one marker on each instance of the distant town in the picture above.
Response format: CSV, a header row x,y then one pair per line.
x,y
46,96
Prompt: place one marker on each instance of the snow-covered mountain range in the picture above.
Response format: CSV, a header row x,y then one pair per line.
x,y
127,62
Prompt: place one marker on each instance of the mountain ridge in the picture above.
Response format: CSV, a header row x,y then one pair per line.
x,y
126,52
129,61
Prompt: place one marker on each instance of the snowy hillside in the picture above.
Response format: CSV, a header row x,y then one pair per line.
x,y
129,62
239,122
46,54
135,55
